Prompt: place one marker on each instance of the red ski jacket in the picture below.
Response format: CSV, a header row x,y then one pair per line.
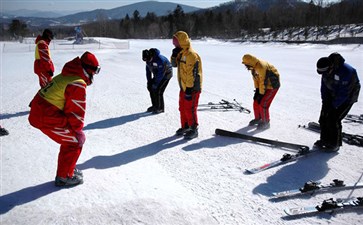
x,y
62,103
43,62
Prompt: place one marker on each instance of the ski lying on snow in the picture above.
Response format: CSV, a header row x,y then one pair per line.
x,y
312,187
262,140
352,139
328,206
302,149
354,118
285,159
224,105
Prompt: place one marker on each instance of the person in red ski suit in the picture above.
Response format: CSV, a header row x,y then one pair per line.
x,y
189,66
266,80
43,65
58,110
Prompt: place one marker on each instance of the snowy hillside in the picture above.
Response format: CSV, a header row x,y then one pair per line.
x,y
137,172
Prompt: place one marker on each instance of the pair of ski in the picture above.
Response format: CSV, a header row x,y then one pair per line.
x,y
313,187
224,105
302,150
354,118
329,205
352,139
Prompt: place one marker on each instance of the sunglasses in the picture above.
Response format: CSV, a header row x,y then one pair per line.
x,y
94,69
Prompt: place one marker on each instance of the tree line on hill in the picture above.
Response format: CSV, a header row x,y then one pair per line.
x,y
226,24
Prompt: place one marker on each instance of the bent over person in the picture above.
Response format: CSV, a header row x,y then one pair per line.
x,y
266,80
43,65
58,111
189,66
339,91
158,73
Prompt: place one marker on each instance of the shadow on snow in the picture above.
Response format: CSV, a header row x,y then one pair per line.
x,y
18,114
105,162
26,195
113,122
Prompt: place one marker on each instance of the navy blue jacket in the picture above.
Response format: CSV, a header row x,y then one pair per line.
x,y
157,69
340,87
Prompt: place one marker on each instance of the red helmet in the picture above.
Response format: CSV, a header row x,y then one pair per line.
x,y
90,65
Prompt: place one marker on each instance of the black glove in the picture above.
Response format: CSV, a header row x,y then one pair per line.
x,y
50,73
149,85
188,94
258,97
176,52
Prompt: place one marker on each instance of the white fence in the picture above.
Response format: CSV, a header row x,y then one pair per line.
x,y
28,44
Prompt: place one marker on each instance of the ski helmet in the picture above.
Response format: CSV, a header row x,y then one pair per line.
x,y
90,65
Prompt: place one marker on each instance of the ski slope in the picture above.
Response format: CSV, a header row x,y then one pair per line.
x,y
137,172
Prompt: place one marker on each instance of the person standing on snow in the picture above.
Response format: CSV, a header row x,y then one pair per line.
x,y
339,91
189,66
58,110
266,80
158,73
43,65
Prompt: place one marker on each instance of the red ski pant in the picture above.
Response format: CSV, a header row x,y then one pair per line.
x,y
188,109
261,110
44,79
69,149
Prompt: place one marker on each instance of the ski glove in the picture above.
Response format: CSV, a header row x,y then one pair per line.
x,y
81,137
175,52
188,94
257,97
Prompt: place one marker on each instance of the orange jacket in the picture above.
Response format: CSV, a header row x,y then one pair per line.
x,y
189,64
265,76
43,62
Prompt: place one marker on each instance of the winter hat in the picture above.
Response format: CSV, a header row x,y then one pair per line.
x,y
322,65
90,63
145,55
48,34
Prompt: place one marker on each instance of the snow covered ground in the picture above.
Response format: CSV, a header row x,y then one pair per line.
x,y
137,172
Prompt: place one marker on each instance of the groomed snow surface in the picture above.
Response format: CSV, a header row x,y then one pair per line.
x,y
137,172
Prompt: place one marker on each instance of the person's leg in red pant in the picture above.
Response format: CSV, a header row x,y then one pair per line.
x,y
263,108
69,150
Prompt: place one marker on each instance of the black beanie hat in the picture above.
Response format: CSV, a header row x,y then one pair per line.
x,y
322,65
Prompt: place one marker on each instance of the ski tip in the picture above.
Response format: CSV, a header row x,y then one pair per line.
x,y
250,171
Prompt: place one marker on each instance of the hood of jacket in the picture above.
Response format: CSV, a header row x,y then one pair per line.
x,y
249,60
183,39
40,38
74,68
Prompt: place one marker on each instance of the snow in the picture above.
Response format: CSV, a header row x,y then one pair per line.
x,y
137,172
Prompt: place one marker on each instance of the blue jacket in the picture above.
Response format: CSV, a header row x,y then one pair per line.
x,y
157,69
340,87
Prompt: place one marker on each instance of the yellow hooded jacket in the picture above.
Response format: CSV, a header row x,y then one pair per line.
x,y
189,64
265,76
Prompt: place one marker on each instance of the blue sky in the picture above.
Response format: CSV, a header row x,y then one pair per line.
x,y
85,5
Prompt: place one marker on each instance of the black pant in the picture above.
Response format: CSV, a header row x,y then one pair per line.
x,y
157,95
331,123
